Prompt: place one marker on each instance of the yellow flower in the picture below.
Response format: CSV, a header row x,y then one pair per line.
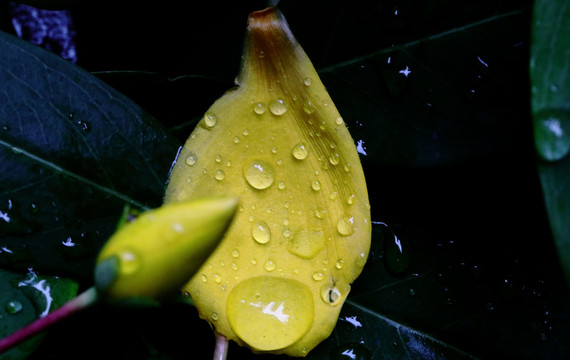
x,y
302,232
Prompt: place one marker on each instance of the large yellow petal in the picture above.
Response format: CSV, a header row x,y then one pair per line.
x,y
302,232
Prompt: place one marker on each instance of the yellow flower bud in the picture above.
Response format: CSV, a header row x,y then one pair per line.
x,y
154,255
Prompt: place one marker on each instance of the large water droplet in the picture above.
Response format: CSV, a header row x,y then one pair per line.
x,y
306,243
13,307
210,119
300,152
552,137
261,232
278,107
259,174
307,81
270,313
345,226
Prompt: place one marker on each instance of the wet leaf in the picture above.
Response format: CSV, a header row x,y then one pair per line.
x,y
550,65
25,298
73,151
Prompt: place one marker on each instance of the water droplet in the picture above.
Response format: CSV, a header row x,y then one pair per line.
x,y
278,107
345,226
307,81
552,134
300,152
259,108
217,278
261,232
412,292
210,119
220,175
228,163
259,174
331,294
360,260
218,158
13,307
269,265
350,200
306,244
334,159
204,278
236,140
281,185
281,309
326,103
339,120
235,253
308,107
34,208
339,264
316,185
191,159
235,266
274,149
318,276
129,262
215,316
286,233
245,132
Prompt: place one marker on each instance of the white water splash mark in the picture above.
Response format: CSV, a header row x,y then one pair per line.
x,y
349,353
361,148
6,250
40,286
69,242
353,321
406,71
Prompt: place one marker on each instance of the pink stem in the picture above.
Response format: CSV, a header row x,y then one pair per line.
x,y
82,301
221,351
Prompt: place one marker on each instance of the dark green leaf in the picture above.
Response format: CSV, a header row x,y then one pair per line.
x,y
550,76
25,298
73,151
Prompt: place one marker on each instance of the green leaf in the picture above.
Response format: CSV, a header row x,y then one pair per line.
x,y
73,151
25,298
550,76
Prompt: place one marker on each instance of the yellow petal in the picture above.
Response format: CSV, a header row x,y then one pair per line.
x,y
153,256
302,232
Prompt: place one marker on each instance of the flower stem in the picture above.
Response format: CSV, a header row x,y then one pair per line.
x,y
221,351
81,302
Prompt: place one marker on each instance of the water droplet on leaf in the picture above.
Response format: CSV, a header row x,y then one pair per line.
x,y
552,135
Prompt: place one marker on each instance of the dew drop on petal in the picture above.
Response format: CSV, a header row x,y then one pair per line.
x,y
210,119
191,159
278,107
345,226
259,174
259,108
300,151
281,309
261,232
